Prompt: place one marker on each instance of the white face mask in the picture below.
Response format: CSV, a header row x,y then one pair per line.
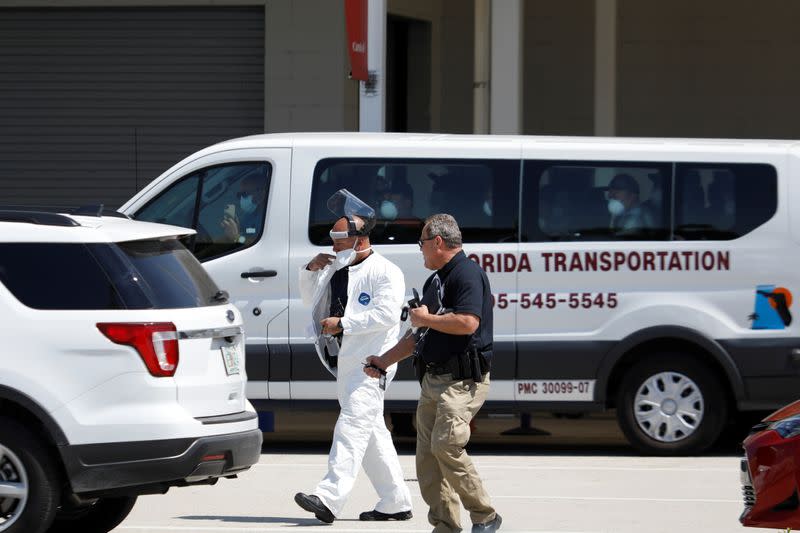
x,y
487,208
388,210
246,203
345,258
615,207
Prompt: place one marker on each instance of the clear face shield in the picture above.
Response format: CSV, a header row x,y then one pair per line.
x,y
345,204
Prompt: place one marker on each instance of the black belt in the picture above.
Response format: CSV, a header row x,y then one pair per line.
x,y
437,369
462,367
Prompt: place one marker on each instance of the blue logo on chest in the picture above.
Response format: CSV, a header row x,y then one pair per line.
x,y
363,298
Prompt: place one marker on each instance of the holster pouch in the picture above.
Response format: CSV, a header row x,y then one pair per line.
x,y
419,367
475,366
463,366
485,360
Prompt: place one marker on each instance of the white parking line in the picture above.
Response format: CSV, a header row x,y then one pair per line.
x,y
543,468
612,499
294,528
263,529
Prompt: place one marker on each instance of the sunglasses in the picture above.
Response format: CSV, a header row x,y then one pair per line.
x,y
423,240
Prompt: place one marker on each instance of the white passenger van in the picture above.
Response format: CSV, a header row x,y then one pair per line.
x,y
676,309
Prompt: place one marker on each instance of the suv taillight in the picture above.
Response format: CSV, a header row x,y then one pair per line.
x,y
156,342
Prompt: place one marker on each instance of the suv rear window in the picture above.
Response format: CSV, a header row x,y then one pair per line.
x,y
149,274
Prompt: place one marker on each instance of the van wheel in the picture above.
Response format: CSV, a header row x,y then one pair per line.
x,y
670,404
100,516
29,483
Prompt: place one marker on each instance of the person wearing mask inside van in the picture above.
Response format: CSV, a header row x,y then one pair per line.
x,y
398,201
356,298
627,215
400,224
242,223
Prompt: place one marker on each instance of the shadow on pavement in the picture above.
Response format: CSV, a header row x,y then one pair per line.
x,y
258,520
590,435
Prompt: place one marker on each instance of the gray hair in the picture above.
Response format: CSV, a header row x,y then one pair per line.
x,y
446,227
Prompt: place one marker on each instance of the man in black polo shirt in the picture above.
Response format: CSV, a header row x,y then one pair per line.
x,y
454,346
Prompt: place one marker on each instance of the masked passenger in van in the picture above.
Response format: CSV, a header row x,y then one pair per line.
x,y
627,215
241,222
398,201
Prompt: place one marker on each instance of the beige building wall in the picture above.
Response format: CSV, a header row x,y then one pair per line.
x,y
716,68
558,64
458,42
452,38
306,83
558,67
428,11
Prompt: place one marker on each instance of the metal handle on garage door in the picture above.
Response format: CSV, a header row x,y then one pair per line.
x,y
260,274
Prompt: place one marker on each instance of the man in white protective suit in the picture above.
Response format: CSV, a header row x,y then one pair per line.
x,y
357,298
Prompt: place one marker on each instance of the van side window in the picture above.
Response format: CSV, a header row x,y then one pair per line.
x,y
595,201
724,201
226,204
482,195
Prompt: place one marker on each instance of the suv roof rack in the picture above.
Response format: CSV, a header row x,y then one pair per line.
x,y
36,217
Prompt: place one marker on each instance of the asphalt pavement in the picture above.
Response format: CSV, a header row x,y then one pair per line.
x,y
582,478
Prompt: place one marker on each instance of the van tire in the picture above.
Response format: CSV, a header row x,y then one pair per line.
x,y
100,517
25,457
689,407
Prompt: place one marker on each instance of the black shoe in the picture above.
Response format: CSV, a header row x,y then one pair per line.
x,y
313,504
488,527
377,516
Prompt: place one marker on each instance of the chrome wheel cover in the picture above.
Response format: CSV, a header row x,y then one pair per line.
x,y
14,488
668,407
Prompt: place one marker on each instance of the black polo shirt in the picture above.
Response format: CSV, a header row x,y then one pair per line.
x,y
464,289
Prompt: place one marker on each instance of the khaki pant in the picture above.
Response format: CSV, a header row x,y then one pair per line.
x,y
444,470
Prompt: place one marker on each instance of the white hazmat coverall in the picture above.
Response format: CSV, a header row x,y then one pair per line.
x,y
371,324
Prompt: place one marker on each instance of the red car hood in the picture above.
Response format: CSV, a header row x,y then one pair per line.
x,y
771,473
784,412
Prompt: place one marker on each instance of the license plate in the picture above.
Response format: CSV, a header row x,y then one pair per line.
x,y
230,356
744,474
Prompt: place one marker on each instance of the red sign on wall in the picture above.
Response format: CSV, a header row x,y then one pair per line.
x,y
356,20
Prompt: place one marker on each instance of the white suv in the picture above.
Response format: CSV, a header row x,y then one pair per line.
x,y
121,371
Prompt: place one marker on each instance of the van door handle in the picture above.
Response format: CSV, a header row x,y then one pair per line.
x,y
260,274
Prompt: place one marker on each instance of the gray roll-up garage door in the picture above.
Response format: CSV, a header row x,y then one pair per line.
x,y
95,103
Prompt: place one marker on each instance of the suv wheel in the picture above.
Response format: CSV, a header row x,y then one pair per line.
x,y
29,484
670,404
100,516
